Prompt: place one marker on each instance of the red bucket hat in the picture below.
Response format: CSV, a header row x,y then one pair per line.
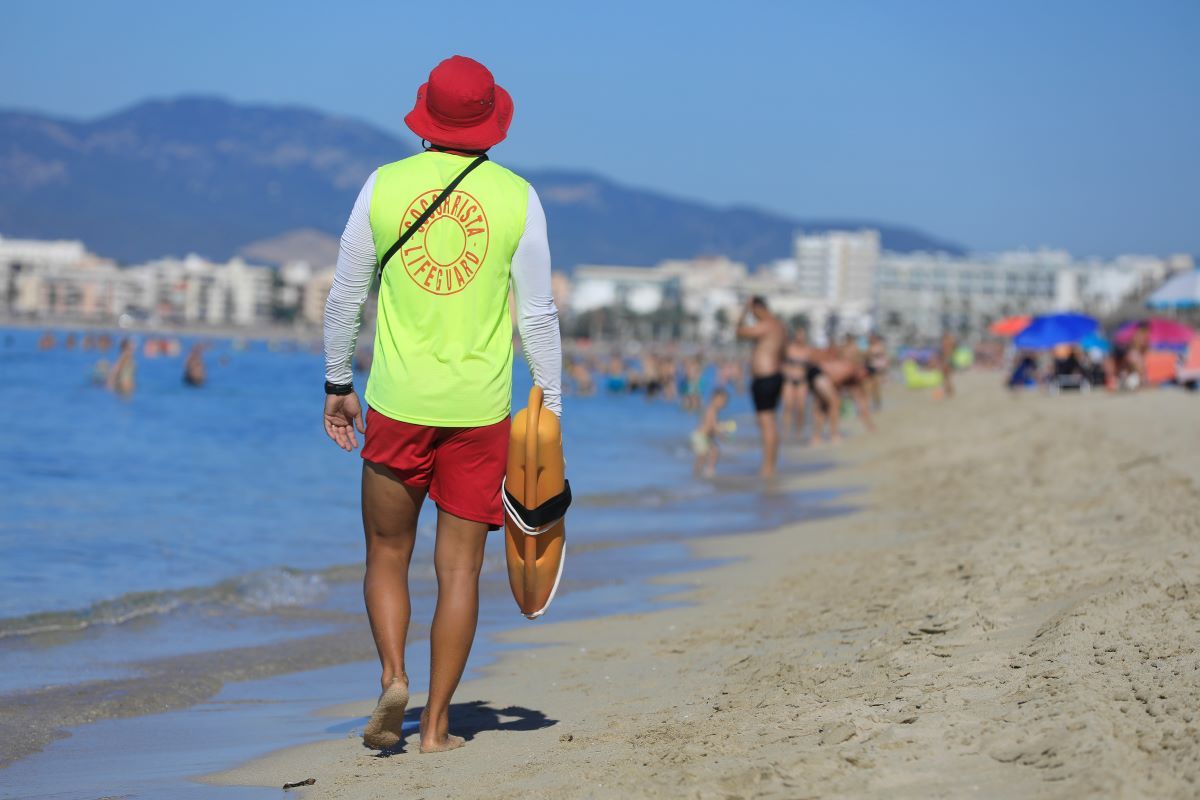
x,y
461,106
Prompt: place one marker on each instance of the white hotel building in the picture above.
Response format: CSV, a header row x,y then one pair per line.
x,y
678,297
922,295
61,281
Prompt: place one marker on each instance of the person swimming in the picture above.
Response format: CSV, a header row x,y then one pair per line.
x,y
615,380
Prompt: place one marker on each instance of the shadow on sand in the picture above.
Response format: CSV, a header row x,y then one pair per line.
x,y
469,719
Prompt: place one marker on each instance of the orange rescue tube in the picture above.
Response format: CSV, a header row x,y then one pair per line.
x,y
536,473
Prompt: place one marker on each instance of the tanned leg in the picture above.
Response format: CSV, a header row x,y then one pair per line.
x,y
833,405
710,458
789,404
819,416
390,512
769,426
457,559
801,402
863,403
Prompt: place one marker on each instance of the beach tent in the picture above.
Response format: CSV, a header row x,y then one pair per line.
x,y
1182,290
1009,326
1047,330
1165,334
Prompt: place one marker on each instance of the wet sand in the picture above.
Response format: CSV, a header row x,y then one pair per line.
x,y
1015,613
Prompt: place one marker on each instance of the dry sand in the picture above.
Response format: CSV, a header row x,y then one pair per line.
x,y
1015,613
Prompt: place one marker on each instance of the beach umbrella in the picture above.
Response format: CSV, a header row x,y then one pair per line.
x,y
1047,330
1094,343
1009,326
1165,334
1182,290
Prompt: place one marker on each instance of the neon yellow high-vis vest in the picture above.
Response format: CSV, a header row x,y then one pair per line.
x,y
443,341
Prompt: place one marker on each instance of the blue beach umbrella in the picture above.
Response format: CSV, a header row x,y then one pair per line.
x,y
1095,342
1051,330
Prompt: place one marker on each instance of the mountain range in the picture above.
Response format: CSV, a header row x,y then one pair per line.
x,y
205,175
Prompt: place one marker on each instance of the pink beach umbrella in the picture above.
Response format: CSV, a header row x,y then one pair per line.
x,y
1165,334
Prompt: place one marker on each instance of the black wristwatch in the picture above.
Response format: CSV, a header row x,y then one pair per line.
x,y
339,388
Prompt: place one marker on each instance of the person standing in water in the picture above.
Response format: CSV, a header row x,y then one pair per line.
x,y
704,438
121,375
796,358
194,373
440,389
766,366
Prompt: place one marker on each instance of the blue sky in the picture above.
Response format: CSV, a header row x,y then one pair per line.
x,y
996,124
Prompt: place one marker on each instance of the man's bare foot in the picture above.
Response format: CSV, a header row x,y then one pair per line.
x,y
448,742
434,740
383,729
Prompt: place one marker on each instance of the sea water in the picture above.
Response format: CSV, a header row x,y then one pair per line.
x,y
177,487
141,534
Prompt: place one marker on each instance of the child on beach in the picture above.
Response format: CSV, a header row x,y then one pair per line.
x,y
704,438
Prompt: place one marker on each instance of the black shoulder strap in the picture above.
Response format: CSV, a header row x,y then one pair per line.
x,y
421,220
550,511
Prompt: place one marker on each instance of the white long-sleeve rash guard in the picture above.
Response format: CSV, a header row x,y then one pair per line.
x,y
537,316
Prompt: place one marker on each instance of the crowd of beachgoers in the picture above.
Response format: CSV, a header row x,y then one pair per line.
x,y
797,387
120,373
1137,359
851,370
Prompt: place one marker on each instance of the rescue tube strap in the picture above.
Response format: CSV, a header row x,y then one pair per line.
x,y
542,518
425,215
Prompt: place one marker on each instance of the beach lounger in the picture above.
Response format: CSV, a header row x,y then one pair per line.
x,y
1072,382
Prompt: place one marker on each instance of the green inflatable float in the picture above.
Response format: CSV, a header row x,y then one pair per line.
x,y
917,378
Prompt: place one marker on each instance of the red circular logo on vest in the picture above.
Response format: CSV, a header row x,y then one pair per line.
x,y
447,252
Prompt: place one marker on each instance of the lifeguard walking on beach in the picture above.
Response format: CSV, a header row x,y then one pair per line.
x,y
450,231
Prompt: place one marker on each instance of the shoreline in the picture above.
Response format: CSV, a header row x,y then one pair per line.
x,y
1012,614
171,690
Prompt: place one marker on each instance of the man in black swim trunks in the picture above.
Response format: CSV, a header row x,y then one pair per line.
x,y
766,367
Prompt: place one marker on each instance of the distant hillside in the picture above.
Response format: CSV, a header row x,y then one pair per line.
x,y
204,175
316,247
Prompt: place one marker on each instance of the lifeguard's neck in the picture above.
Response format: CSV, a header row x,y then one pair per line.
x,y
437,148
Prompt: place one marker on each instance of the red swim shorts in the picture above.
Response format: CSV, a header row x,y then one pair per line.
x,y
461,467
